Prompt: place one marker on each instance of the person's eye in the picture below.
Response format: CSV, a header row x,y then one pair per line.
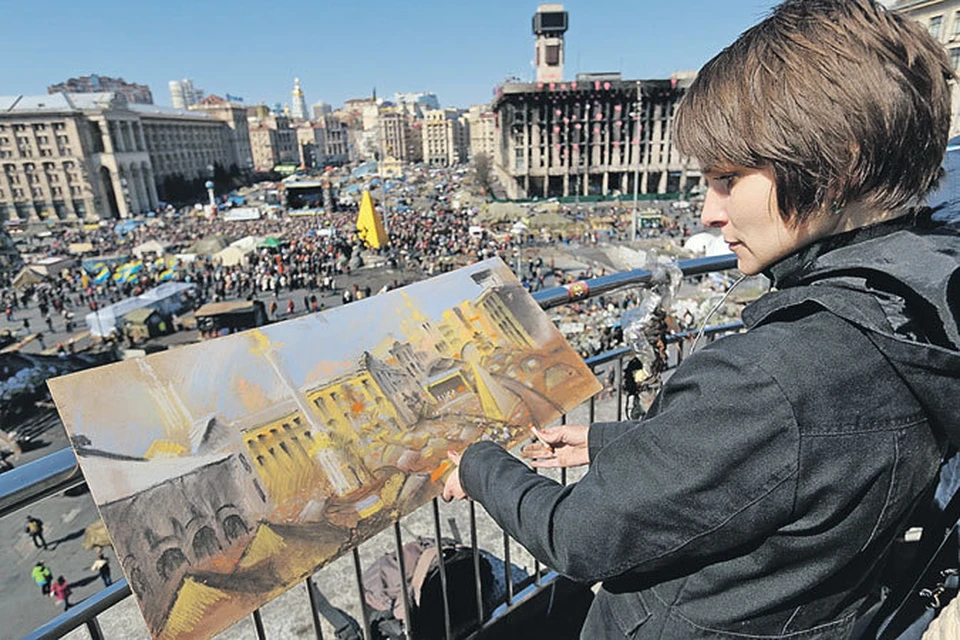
x,y
726,181
723,182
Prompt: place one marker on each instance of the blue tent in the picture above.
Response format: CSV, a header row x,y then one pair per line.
x,y
126,226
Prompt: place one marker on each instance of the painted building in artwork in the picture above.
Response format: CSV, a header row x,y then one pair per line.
x,y
373,396
494,304
284,451
178,514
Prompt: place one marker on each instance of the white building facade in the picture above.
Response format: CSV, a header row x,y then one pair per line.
x,y
942,19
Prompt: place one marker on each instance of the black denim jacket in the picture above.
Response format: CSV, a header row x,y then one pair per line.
x,y
760,493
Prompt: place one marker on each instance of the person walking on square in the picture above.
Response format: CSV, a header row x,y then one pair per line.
x,y
34,528
101,566
42,575
61,592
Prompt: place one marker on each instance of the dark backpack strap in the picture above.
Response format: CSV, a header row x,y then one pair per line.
x,y
904,605
346,628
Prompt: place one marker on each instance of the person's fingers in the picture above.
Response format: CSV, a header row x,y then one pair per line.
x,y
549,435
537,450
547,463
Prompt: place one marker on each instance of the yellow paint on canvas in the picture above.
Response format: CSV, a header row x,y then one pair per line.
x,y
193,600
265,545
164,449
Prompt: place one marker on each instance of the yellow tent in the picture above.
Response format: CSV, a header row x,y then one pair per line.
x,y
370,224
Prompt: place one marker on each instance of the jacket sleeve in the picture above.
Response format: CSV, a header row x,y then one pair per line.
x,y
603,433
713,470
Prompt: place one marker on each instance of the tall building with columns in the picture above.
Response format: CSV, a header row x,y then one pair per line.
x,y
235,115
88,156
595,135
592,136
185,145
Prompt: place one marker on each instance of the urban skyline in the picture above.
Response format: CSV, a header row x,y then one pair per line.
x,y
397,50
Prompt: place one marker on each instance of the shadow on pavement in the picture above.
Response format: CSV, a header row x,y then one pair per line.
x,y
82,582
77,491
70,536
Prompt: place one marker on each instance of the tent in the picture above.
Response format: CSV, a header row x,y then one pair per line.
x,y
168,298
26,278
500,212
706,244
150,246
126,226
78,248
246,244
208,246
230,256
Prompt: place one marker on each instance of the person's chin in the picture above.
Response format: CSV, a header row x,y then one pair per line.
x,y
748,267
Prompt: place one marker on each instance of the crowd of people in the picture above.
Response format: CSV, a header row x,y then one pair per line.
x,y
311,253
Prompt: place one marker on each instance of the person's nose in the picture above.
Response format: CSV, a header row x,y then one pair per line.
x,y
713,213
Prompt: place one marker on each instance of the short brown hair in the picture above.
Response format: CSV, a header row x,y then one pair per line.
x,y
846,101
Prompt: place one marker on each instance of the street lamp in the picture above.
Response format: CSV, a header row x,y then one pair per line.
x,y
213,201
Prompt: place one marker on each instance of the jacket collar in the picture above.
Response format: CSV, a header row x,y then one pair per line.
x,y
792,269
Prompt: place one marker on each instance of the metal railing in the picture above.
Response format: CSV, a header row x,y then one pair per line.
x,y
59,472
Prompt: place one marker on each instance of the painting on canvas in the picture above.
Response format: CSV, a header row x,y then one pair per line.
x,y
230,470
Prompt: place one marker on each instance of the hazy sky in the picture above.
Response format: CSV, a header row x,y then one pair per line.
x,y
340,50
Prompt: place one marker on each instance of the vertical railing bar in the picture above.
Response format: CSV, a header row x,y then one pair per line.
x,y
508,570
404,590
258,625
317,625
619,389
593,410
358,570
536,563
476,560
93,628
563,470
443,570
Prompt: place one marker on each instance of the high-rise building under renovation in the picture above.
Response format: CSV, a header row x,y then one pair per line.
x,y
595,135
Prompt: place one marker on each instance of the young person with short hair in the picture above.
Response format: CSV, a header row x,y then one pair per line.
x,y
760,495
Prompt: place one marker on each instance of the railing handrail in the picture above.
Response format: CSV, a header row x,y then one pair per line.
x,y
38,479
557,296
79,613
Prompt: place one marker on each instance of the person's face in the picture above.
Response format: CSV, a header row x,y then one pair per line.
x,y
742,203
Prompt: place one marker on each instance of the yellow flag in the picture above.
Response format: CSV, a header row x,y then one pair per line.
x,y
370,224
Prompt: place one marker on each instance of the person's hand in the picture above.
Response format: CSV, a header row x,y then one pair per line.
x,y
451,488
564,446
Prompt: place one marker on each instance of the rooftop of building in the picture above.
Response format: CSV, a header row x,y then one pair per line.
x,y
77,102
153,110
593,84
62,102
